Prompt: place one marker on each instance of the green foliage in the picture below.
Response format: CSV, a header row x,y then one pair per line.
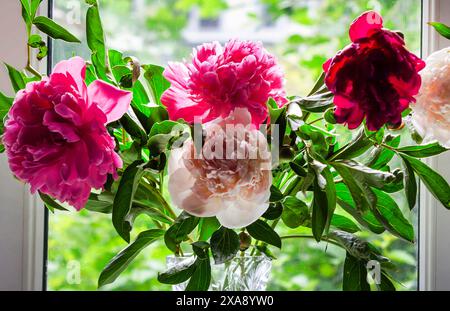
x,y
54,30
442,29
349,181
201,277
18,80
179,231
355,275
435,183
263,232
178,274
5,105
123,199
224,245
121,261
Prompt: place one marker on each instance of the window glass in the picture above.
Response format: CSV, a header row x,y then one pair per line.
x,y
303,34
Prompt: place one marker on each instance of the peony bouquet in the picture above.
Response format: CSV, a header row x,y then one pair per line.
x,y
216,155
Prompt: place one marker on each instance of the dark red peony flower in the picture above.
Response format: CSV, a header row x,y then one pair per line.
x,y
374,77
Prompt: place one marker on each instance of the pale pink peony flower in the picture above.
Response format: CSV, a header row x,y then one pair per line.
x,y
230,177
219,79
55,135
432,110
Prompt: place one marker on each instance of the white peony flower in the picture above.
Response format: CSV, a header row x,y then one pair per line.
x,y
230,177
432,110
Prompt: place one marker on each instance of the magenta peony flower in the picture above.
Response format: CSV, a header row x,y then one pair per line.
x,y
374,77
55,135
241,74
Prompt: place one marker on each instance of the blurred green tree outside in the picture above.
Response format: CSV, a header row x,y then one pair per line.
x,y
155,31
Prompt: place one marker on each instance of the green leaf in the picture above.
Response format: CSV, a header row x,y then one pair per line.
x,y
365,218
435,183
224,245
26,12
356,246
316,103
319,85
139,208
359,180
263,232
371,177
390,215
5,105
50,203
297,169
324,202
442,29
54,30
96,204
124,199
383,155
355,275
386,284
278,117
275,194
266,251
273,212
358,146
165,127
274,111
34,7
295,212
201,278
17,78
96,40
179,273
410,185
423,151
343,223
317,136
35,41
207,227
132,126
121,261
179,231
158,84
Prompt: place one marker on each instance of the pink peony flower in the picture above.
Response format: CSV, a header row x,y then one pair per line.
x,y
432,110
219,79
229,177
375,77
55,135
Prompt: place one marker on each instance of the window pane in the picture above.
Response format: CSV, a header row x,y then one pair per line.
x,y
302,34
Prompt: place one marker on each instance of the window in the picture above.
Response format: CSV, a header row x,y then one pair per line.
x,y
303,34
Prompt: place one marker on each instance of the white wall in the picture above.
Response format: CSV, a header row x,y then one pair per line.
x,y
21,216
13,38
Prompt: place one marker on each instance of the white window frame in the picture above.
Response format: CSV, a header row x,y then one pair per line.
x,y
434,219
22,218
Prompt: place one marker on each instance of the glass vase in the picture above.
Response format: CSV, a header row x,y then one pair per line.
x,y
242,273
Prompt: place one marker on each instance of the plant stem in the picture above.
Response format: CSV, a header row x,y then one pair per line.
x,y
30,68
161,200
384,145
315,121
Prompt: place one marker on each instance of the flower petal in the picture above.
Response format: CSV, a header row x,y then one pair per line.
x,y
76,68
364,24
111,100
241,213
